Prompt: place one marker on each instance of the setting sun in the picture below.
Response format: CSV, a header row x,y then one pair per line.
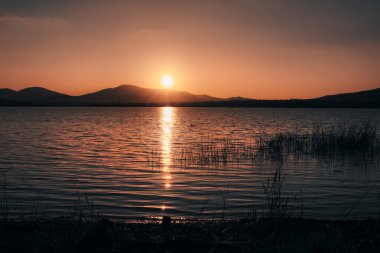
x,y
167,81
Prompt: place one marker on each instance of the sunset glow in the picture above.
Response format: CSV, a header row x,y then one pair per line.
x,y
232,48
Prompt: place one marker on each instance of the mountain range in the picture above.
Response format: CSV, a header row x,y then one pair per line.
x,y
131,95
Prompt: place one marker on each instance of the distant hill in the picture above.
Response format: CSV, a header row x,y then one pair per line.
x,y
134,94
368,98
131,95
121,95
361,99
30,95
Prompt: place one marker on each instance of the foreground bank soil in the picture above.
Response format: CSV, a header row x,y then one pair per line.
x,y
261,235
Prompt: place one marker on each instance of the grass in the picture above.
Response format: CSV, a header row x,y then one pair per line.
x,y
224,195
4,206
356,141
263,235
350,143
212,152
277,205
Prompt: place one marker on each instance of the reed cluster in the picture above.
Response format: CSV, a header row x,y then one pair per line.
x,y
344,142
215,152
352,142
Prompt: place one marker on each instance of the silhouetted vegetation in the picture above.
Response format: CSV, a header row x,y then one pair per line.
x,y
214,152
276,203
83,231
262,235
352,143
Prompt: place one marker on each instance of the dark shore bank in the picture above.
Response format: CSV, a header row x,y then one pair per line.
x,y
260,235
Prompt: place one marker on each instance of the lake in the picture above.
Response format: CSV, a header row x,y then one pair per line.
x,y
49,156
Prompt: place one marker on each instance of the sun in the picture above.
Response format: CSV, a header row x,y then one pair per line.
x,y
167,81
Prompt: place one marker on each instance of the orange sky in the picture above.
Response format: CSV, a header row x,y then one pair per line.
x,y
258,49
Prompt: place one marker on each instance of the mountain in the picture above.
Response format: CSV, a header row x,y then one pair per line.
x,y
31,94
368,98
121,95
7,93
130,95
134,94
361,99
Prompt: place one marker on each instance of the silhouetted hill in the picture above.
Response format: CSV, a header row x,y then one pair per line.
x,y
134,94
130,95
362,99
366,98
367,94
236,98
30,95
6,94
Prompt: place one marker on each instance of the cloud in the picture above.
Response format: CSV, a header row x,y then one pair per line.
x,y
19,22
35,8
19,34
332,22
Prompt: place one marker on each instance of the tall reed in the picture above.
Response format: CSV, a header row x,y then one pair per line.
x,y
352,142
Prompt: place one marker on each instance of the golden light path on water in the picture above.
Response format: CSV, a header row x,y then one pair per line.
x,y
167,118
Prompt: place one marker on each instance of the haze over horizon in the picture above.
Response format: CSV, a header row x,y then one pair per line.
x,y
255,49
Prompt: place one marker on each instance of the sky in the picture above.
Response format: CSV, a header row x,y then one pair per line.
x,y
258,49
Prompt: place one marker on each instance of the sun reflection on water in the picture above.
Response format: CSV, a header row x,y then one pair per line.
x,y
167,115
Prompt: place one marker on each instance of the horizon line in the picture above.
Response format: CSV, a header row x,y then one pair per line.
x,y
173,90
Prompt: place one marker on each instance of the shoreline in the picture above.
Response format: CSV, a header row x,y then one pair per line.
x,y
173,235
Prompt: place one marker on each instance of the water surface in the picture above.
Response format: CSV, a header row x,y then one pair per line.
x,y
49,155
